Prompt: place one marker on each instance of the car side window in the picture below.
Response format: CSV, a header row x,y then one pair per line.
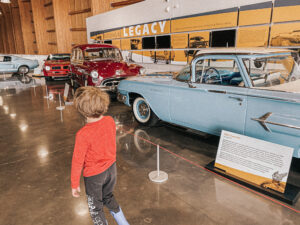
x,y
219,72
74,54
79,55
7,59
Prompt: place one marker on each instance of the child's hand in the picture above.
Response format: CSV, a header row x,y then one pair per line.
x,y
75,192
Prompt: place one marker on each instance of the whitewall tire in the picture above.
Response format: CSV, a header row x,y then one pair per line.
x,y
143,113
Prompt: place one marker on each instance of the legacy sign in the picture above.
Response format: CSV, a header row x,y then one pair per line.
x,y
154,28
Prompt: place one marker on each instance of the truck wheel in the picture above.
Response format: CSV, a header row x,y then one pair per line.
x,y
143,113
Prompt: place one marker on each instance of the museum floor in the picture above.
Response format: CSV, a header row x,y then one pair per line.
x,y
36,144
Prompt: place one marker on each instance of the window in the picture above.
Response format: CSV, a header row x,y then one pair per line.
x,y
148,42
74,54
1,58
102,54
7,59
134,44
219,72
79,55
163,41
184,75
108,42
225,38
274,73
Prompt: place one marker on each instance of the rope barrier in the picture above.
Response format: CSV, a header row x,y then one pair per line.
x,y
202,167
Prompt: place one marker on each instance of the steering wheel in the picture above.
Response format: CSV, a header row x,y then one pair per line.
x,y
212,75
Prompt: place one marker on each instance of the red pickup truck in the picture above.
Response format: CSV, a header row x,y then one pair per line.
x,y
56,66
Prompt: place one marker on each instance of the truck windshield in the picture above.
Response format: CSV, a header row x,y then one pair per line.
x,y
65,57
102,54
275,73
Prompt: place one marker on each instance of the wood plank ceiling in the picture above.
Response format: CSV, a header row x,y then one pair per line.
x,y
48,26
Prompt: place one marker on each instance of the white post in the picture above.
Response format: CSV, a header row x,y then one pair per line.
x,y
158,176
46,93
59,100
60,107
157,160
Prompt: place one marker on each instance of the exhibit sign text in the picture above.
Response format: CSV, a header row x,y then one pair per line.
x,y
255,161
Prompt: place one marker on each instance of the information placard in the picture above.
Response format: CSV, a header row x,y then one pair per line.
x,y
256,161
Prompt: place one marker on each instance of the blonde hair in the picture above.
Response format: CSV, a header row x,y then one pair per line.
x,y
91,102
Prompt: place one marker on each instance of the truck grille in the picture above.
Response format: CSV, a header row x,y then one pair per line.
x,y
66,67
56,67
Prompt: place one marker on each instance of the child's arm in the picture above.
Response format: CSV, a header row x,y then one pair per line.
x,y
79,153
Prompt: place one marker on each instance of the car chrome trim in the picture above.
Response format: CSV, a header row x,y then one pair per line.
x,y
217,91
236,98
263,122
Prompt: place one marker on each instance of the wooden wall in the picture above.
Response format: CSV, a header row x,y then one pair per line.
x,y
47,26
27,27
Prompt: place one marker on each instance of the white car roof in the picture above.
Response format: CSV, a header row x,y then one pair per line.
x,y
246,51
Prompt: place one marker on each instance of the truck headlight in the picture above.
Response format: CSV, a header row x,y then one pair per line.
x,y
94,74
119,72
142,71
47,68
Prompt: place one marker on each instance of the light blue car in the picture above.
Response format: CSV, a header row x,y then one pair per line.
x,y
15,64
255,92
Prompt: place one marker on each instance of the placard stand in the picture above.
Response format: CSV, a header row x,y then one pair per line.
x,y
158,176
290,196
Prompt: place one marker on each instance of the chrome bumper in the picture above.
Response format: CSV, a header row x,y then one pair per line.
x,y
107,88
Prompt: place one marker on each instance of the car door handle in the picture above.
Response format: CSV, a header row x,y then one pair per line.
x,y
236,98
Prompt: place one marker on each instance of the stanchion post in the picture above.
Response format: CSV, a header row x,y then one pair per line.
x,y
47,96
158,176
60,107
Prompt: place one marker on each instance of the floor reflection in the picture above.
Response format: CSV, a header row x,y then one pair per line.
x,y
36,143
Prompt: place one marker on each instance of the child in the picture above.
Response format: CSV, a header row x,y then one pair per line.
x,y
95,153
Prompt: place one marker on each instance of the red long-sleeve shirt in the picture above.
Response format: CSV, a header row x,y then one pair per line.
x,y
95,149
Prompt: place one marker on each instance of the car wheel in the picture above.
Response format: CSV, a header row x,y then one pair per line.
x,y
143,113
23,70
25,79
15,75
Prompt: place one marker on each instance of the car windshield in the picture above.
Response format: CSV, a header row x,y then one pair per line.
x,y
184,74
275,73
102,54
65,57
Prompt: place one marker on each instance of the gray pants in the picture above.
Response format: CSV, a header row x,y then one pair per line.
x,y
99,190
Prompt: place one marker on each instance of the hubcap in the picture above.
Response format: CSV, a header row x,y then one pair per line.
x,y
143,109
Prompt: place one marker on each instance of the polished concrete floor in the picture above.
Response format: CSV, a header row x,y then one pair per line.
x,y
36,144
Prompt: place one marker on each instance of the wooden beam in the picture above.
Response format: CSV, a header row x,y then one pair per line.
x,y
49,18
47,4
40,25
78,29
80,11
16,21
62,21
124,3
26,26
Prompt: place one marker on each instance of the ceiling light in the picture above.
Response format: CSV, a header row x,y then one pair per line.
x,y
5,1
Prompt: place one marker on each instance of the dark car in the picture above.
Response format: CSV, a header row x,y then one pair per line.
x,y
100,65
